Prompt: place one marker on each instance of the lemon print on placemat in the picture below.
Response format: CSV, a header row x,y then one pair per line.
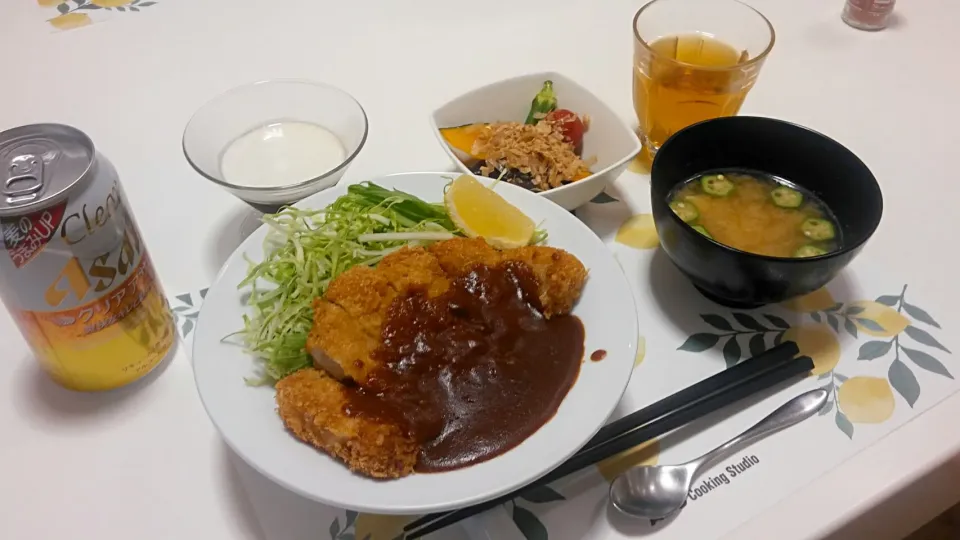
x,y
638,232
876,319
866,400
70,20
819,343
895,344
76,13
818,300
647,453
380,527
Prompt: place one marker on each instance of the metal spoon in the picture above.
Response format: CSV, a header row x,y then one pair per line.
x,y
656,492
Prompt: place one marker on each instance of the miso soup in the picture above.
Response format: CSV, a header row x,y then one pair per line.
x,y
757,213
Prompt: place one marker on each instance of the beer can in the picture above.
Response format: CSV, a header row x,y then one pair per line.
x,y
75,274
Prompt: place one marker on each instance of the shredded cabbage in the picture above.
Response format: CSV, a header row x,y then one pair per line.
x,y
306,249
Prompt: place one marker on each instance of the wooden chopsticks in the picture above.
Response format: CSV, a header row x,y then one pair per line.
x,y
746,379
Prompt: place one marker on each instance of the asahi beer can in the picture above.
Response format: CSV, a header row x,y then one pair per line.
x,y
74,273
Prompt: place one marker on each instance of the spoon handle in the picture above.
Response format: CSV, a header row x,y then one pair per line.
x,y
792,412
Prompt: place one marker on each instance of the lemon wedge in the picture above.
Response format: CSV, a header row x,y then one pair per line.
x,y
481,212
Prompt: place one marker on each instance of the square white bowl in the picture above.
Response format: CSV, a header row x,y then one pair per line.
x,y
608,138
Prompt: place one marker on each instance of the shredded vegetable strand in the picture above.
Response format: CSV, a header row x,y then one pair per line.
x,y
306,249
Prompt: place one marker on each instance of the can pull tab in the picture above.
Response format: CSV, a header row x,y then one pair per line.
x,y
26,176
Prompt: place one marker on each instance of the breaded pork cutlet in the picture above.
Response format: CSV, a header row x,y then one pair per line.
x,y
347,331
458,255
559,274
338,343
311,404
414,268
365,294
348,320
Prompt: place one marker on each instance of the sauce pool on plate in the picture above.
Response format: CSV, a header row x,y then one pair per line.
x,y
475,371
281,154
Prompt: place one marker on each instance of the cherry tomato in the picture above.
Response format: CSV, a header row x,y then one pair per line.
x,y
571,125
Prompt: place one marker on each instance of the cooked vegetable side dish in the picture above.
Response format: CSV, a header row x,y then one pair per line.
x,y
758,213
541,153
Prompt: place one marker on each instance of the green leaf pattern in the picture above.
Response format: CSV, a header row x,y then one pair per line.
x,y
924,337
717,322
888,300
776,321
749,322
541,494
754,331
529,524
70,6
731,351
349,531
919,315
901,377
699,342
927,362
841,319
603,198
844,424
187,311
874,349
757,344
904,382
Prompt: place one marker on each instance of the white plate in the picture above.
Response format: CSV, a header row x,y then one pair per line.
x,y
247,420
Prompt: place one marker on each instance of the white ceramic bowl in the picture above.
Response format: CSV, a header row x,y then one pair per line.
x,y
246,416
239,110
608,138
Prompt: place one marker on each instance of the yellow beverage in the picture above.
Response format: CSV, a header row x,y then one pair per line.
x,y
686,79
125,337
693,60
74,272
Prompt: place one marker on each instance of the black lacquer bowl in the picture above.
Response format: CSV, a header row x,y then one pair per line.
x,y
832,172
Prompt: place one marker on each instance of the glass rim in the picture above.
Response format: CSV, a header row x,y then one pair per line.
x,y
273,189
755,60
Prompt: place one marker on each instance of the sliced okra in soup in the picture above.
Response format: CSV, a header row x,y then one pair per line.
x,y
702,230
717,185
785,197
809,251
685,210
818,229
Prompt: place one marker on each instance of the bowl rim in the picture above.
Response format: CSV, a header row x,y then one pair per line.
x,y
274,189
552,75
844,248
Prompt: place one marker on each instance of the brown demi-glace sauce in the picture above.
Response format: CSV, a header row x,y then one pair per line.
x,y
473,372
598,355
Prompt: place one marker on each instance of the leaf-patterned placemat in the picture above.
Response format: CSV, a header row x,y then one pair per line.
x,y
284,514
878,346
72,14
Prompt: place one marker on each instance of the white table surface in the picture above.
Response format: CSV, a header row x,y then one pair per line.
x,y
144,462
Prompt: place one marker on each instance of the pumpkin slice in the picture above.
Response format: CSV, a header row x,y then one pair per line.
x,y
463,137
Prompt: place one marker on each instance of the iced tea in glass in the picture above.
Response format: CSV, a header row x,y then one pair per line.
x,y
694,60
